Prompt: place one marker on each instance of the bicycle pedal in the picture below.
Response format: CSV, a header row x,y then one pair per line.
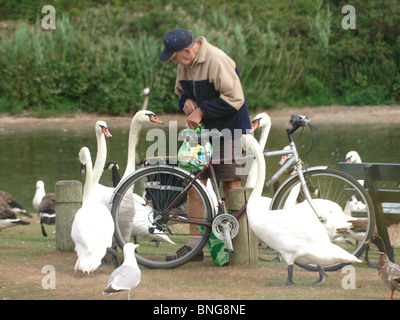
x,y
230,251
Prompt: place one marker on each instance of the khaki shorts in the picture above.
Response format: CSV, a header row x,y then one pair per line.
x,y
230,170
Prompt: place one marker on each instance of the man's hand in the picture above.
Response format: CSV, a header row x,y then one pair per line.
x,y
189,106
194,119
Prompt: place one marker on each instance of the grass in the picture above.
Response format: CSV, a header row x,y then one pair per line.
x,y
24,252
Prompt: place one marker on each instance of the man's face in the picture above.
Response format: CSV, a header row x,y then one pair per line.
x,y
183,57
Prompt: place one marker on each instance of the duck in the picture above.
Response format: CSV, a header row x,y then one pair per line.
x,y
297,235
388,271
12,204
45,206
93,227
127,276
8,218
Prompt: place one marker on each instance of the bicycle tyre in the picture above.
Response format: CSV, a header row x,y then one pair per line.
x,y
338,187
154,188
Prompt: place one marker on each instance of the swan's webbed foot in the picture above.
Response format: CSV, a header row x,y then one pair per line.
x,y
289,280
322,276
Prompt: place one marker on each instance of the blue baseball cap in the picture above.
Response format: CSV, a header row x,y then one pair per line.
x,y
175,41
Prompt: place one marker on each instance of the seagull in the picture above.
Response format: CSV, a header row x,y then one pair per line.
x,y
127,276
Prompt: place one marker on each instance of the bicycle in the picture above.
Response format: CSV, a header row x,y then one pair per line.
x,y
163,189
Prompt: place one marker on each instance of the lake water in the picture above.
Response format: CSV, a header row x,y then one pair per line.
x,y
28,155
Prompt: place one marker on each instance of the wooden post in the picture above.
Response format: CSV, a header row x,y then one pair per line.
x,y
245,244
68,202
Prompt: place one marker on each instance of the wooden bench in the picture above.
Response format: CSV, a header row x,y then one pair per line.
x,y
380,180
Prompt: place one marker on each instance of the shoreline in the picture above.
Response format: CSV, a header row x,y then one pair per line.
x,y
317,115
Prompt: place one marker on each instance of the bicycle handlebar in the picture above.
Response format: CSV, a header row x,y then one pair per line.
x,y
297,121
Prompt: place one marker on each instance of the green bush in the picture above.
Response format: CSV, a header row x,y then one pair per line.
x,y
101,56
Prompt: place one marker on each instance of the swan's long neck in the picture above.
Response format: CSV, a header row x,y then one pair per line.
x,y
89,181
101,157
260,165
252,177
133,133
264,136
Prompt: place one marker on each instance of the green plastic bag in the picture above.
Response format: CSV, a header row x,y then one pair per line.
x,y
217,249
193,157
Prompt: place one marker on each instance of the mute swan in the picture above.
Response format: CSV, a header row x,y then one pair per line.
x,y
263,121
8,218
93,226
128,223
127,276
354,157
296,234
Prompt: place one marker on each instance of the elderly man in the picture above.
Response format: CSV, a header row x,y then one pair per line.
x,y
210,91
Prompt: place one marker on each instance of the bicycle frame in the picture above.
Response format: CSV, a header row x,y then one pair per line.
x,y
293,160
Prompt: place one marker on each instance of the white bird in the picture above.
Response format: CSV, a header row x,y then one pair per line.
x,y
39,194
263,121
145,93
136,221
354,157
297,234
93,226
8,218
127,276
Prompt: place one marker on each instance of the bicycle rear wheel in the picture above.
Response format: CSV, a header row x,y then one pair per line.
x,y
150,208
342,189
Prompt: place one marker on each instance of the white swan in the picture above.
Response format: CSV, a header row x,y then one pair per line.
x,y
134,221
296,234
93,226
354,157
127,276
263,121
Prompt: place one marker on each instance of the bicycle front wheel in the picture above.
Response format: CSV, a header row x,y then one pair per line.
x,y
150,208
342,189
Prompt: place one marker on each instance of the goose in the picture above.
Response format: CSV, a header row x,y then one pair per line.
x,y
114,168
8,218
45,206
93,227
296,234
387,270
127,276
12,204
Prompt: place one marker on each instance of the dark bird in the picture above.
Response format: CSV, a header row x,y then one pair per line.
x,y
114,168
8,218
387,270
12,204
47,211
